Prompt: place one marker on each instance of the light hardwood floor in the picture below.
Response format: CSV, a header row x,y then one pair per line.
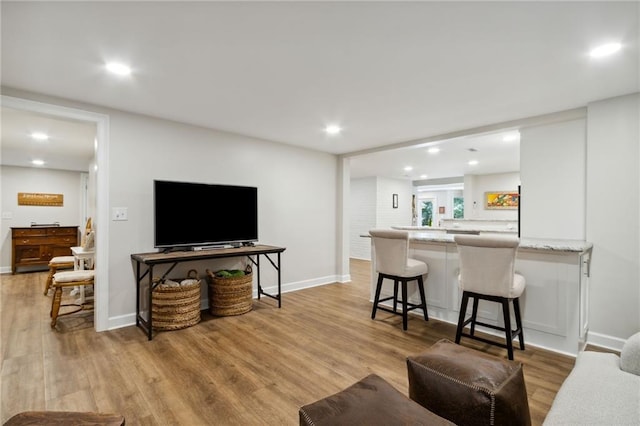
x,y
253,369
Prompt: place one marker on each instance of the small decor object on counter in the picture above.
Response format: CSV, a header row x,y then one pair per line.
x,y
230,292
176,303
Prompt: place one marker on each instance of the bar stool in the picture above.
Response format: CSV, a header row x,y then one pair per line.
x,y
64,279
55,264
487,272
391,249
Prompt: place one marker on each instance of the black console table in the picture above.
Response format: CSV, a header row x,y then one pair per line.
x,y
149,260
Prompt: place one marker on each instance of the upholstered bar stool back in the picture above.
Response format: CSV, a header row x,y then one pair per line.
x,y
391,248
487,272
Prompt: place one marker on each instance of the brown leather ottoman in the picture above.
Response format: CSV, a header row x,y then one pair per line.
x,y
468,387
371,401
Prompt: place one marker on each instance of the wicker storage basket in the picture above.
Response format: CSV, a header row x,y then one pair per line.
x,y
230,295
174,308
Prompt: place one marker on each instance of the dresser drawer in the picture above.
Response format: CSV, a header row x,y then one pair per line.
x,y
29,232
67,240
30,241
63,231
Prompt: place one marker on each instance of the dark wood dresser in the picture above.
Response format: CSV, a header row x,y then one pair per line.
x,y
36,245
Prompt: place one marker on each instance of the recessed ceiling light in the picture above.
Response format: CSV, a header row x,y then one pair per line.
x,y
605,50
333,129
433,150
39,136
408,169
118,68
423,176
37,162
473,162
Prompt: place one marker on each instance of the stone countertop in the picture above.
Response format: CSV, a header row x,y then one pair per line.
x,y
525,243
544,244
459,229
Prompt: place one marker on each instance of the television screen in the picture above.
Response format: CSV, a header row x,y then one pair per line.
x,y
196,214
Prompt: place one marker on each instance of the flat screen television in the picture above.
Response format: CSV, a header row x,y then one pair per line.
x,y
189,215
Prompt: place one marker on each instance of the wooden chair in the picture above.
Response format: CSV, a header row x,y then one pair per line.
x,y
69,279
55,264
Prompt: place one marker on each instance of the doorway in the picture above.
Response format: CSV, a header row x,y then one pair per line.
x,y
97,190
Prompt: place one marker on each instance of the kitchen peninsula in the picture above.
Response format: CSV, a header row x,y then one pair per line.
x,y
554,305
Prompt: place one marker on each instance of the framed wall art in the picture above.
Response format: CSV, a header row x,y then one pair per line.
x,y
40,199
501,200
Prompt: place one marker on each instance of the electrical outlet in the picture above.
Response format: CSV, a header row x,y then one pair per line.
x,y
119,213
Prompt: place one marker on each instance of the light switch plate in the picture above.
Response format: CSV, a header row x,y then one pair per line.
x,y
7,215
119,213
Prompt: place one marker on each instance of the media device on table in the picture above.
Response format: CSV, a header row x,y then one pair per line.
x,y
194,216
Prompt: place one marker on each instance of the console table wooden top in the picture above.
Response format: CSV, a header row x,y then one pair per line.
x,y
154,258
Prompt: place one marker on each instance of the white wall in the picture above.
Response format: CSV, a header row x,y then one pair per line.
x,y
386,215
296,195
372,207
31,179
553,189
476,185
363,216
613,218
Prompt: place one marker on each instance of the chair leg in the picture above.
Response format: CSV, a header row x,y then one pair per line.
x,y
377,297
423,298
395,296
474,315
55,305
516,311
49,281
507,327
463,311
404,305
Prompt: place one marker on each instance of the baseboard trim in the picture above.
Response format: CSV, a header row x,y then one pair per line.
x,y
130,319
605,341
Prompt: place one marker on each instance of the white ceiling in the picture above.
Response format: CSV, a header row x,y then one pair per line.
x,y
70,145
388,72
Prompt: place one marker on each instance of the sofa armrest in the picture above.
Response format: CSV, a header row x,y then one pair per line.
x,y
630,355
597,391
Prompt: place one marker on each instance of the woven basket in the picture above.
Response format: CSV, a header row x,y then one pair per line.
x,y
232,295
174,308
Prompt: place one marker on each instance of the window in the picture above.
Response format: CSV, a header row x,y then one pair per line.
x,y
426,208
458,208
